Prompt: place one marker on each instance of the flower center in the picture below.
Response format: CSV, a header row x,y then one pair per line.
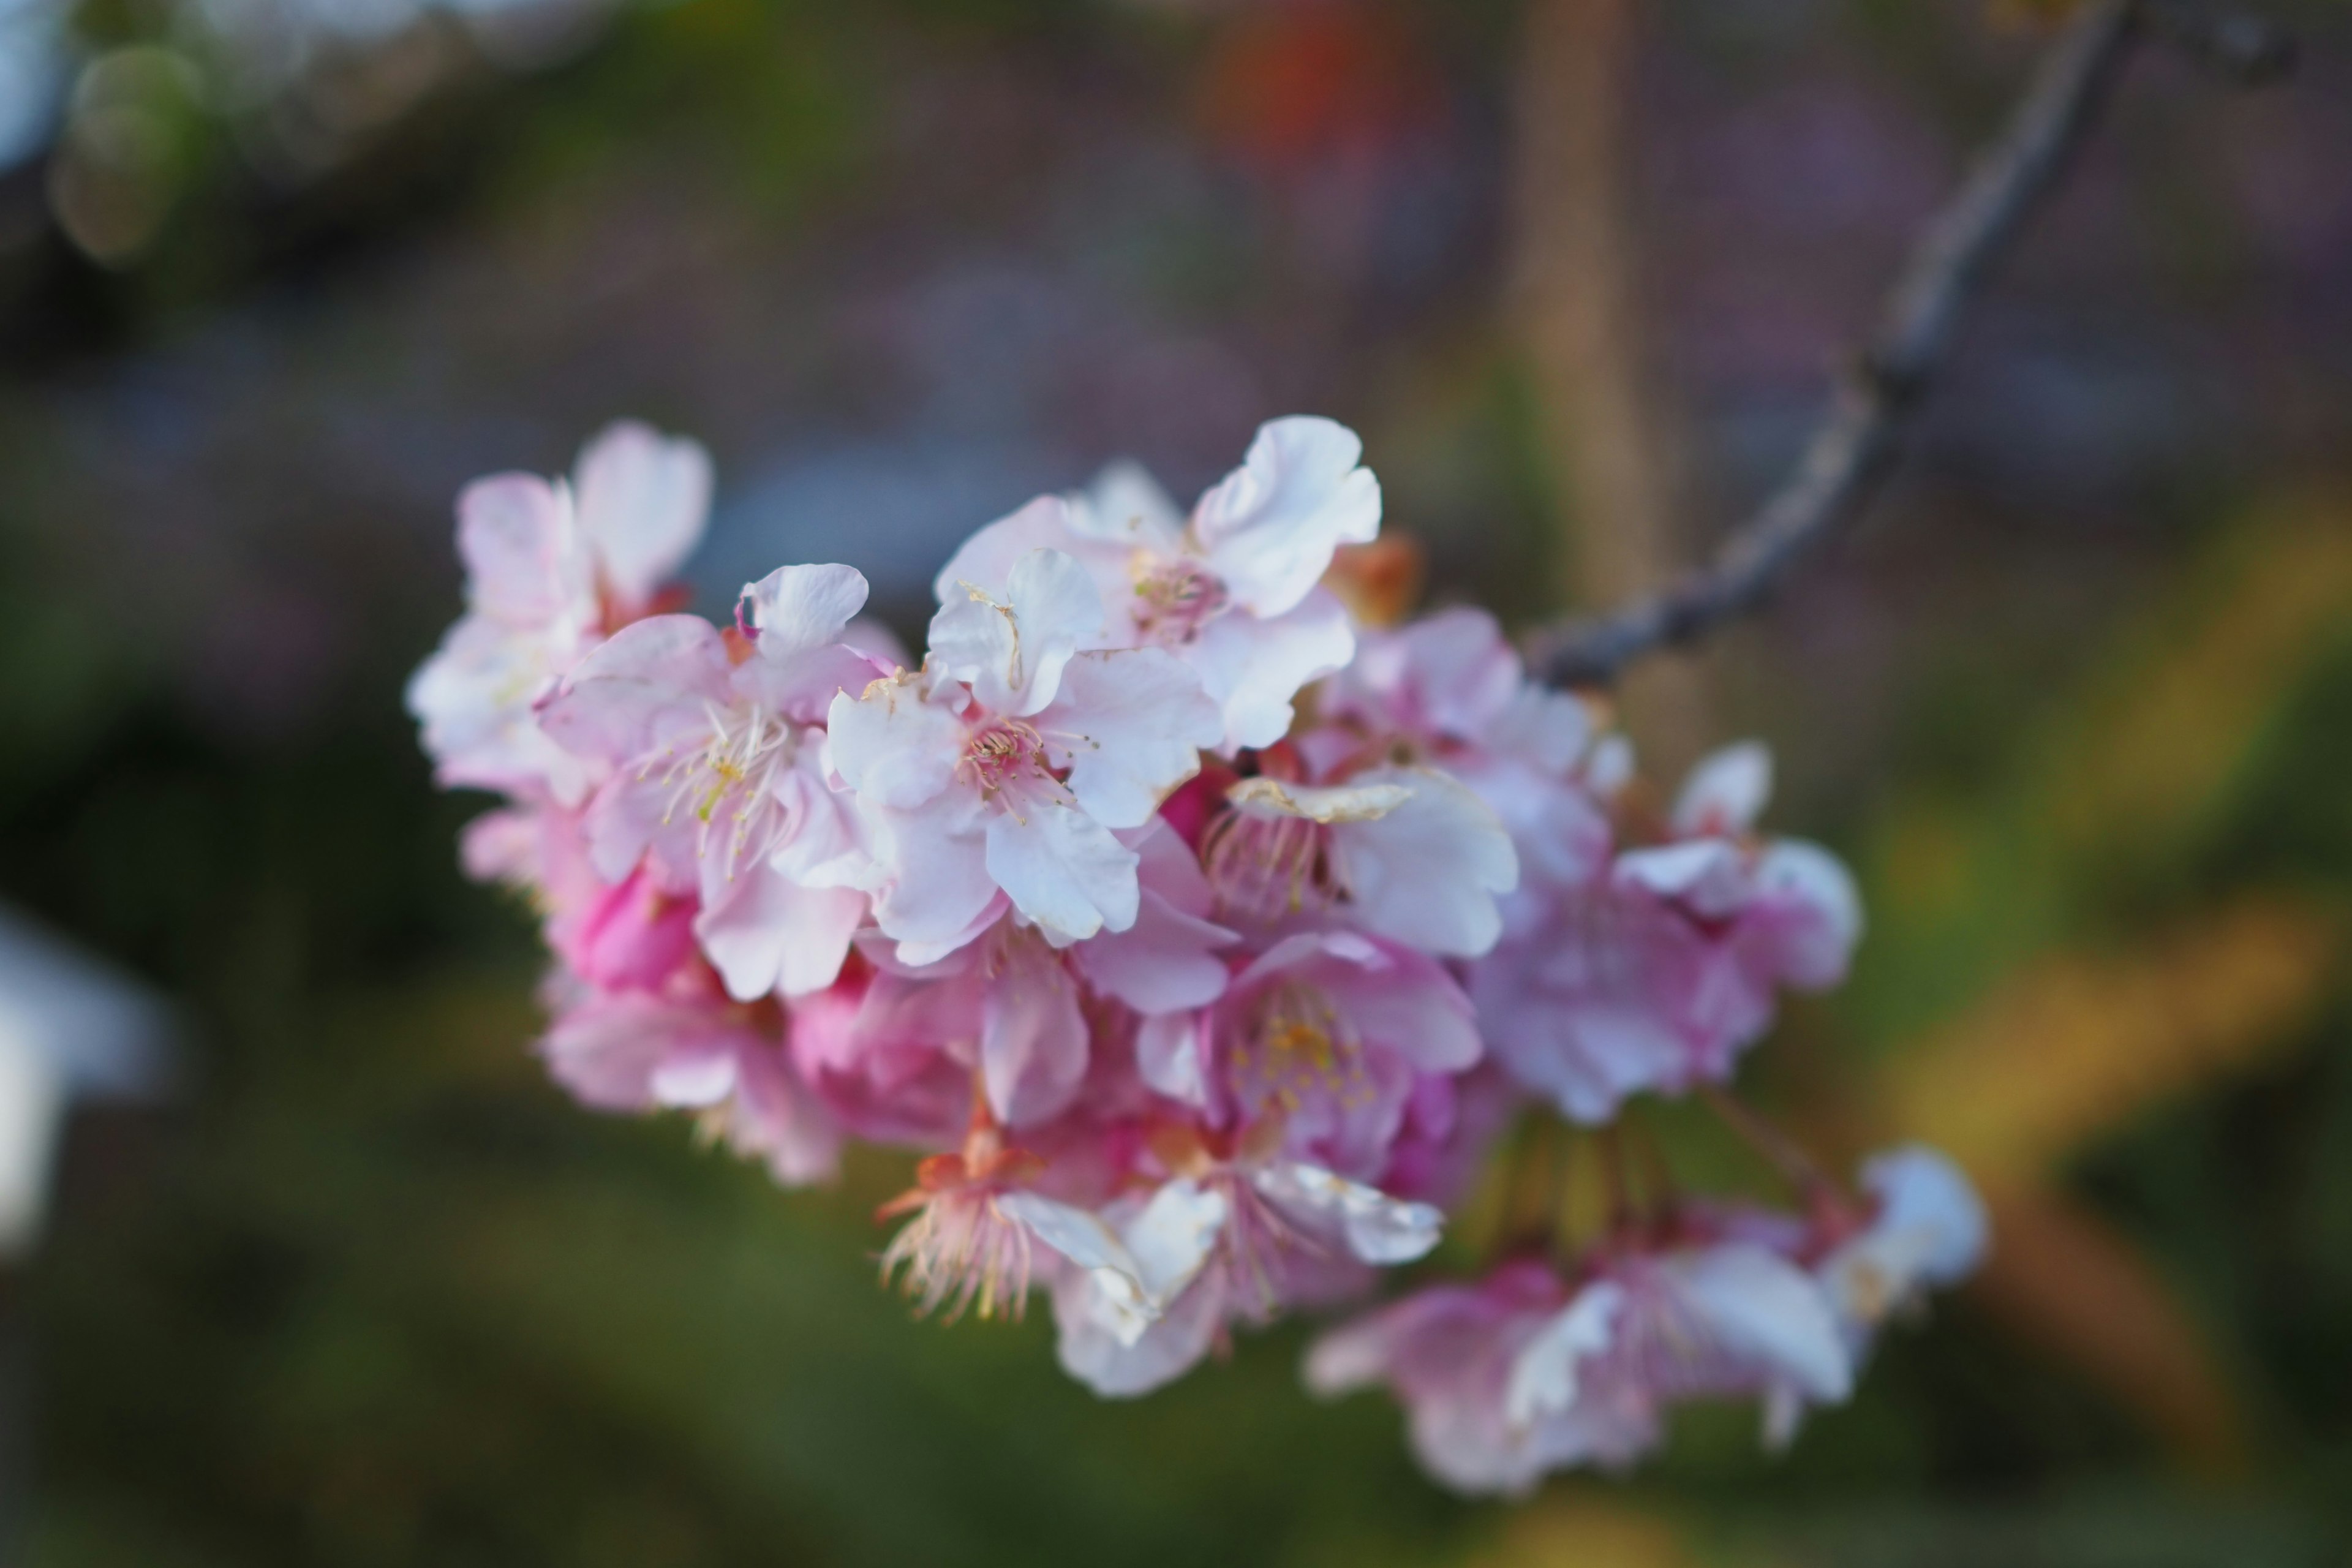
x,y
1264,869
1174,597
724,784
1004,753
1297,1047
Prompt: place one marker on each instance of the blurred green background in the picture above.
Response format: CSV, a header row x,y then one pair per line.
x,y
277,276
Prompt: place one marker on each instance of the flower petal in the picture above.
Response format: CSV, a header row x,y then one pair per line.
x,y
1062,869
1269,528
1012,649
797,608
1132,723
642,498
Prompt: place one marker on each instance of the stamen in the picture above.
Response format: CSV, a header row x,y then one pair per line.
x,y
1174,598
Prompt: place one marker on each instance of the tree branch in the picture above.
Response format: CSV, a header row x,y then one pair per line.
x,y
1876,400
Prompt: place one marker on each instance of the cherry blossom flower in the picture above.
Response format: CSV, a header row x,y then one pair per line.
x,y
1715,1321
1151,1283
1448,1353
697,1051
1233,589
1657,975
1926,1230
1322,1042
1002,770
1169,920
551,570
717,776
1450,690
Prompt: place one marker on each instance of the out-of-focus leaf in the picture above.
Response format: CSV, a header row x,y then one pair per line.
x,y
2201,689
2063,1278
2075,1046
1587,1531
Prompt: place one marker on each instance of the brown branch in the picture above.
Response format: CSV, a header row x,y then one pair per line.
x,y
1857,443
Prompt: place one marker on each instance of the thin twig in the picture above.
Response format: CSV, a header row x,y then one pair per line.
x,y
1855,444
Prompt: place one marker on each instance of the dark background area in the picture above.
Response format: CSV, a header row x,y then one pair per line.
x,y
277,276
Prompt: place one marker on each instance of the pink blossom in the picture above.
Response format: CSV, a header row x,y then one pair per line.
x,y
1318,1046
1450,690
1151,1283
696,1051
1657,975
1524,1373
1233,589
717,776
1651,1328
1004,768
551,569
1407,853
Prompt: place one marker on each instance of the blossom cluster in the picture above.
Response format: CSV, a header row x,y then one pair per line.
x,y
1201,940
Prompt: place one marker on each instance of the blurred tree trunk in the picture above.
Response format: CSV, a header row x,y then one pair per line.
x,y
1579,306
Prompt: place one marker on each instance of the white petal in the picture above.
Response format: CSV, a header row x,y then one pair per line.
x,y
1062,869
772,935
1726,792
1125,506
1254,669
1093,1351
1168,1048
1759,1307
1815,954
891,745
1012,649
1544,1374
1710,875
1427,873
1378,1229
642,499
1173,1236
797,608
986,560
1269,528
1132,723
933,890
1087,1240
